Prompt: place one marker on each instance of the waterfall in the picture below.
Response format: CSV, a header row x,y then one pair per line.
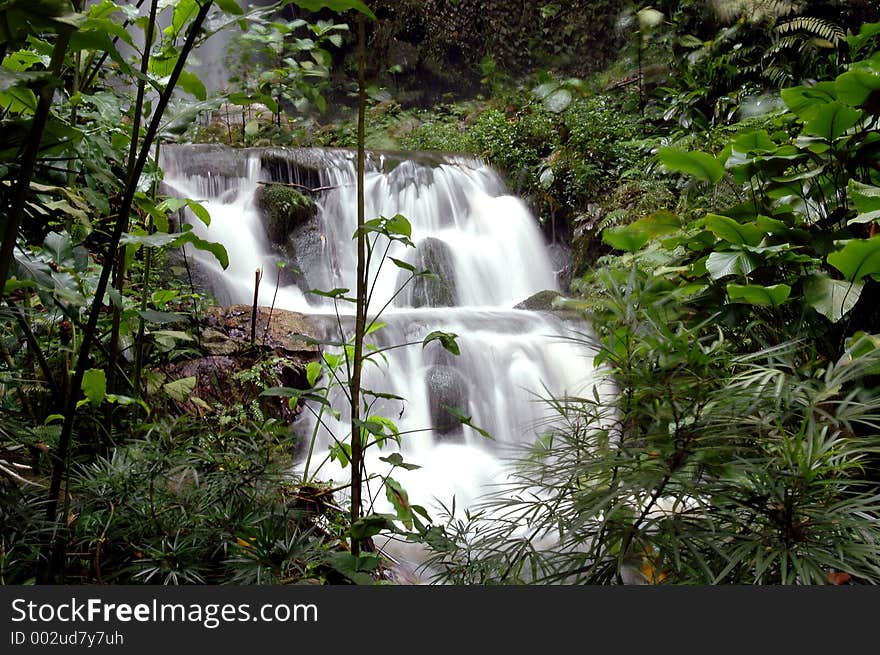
x,y
489,255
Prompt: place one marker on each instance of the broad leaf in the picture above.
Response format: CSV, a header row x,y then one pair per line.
x,y
180,390
866,198
855,86
730,262
831,298
396,459
634,236
446,339
313,372
739,234
94,386
857,259
334,5
230,7
832,120
755,294
189,82
757,141
701,165
371,525
805,101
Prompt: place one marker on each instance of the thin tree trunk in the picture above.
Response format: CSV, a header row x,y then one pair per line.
x,y
361,314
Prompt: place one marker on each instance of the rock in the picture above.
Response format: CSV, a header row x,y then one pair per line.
x,y
440,291
283,209
446,387
210,383
306,254
540,302
546,301
233,324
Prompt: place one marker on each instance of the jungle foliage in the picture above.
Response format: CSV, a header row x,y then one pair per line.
x,y
720,189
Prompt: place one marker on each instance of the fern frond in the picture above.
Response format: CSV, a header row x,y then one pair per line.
x,y
812,27
754,11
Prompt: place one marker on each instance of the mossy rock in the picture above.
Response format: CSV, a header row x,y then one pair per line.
x,y
284,208
540,302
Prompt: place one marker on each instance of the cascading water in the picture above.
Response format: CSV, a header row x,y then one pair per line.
x,y
486,249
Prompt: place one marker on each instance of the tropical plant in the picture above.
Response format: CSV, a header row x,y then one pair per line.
x,y
707,467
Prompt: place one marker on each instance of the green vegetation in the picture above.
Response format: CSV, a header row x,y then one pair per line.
x,y
721,205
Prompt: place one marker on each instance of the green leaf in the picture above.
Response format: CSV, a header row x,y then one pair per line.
x,y
855,86
755,294
769,225
398,224
757,141
399,499
738,234
396,459
200,212
152,316
805,101
446,339
181,389
700,165
831,298
313,372
354,568
866,198
832,120
94,386
634,236
857,259
371,525
230,7
404,265
333,293
334,5
730,262
18,100
216,249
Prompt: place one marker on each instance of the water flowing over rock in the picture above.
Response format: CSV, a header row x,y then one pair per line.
x,y
438,289
488,254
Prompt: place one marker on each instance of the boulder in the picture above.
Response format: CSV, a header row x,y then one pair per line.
x,y
231,371
440,291
283,208
446,387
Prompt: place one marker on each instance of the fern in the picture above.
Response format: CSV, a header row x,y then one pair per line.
x,y
810,27
754,11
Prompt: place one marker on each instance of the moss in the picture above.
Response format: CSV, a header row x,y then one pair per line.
x,y
284,208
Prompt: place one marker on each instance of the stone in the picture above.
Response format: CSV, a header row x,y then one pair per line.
x,y
283,209
435,256
446,387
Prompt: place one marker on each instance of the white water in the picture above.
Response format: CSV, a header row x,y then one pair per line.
x,y
509,357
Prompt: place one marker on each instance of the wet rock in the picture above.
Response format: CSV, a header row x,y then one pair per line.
x,y
283,209
446,387
306,253
435,256
277,330
540,302
232,372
